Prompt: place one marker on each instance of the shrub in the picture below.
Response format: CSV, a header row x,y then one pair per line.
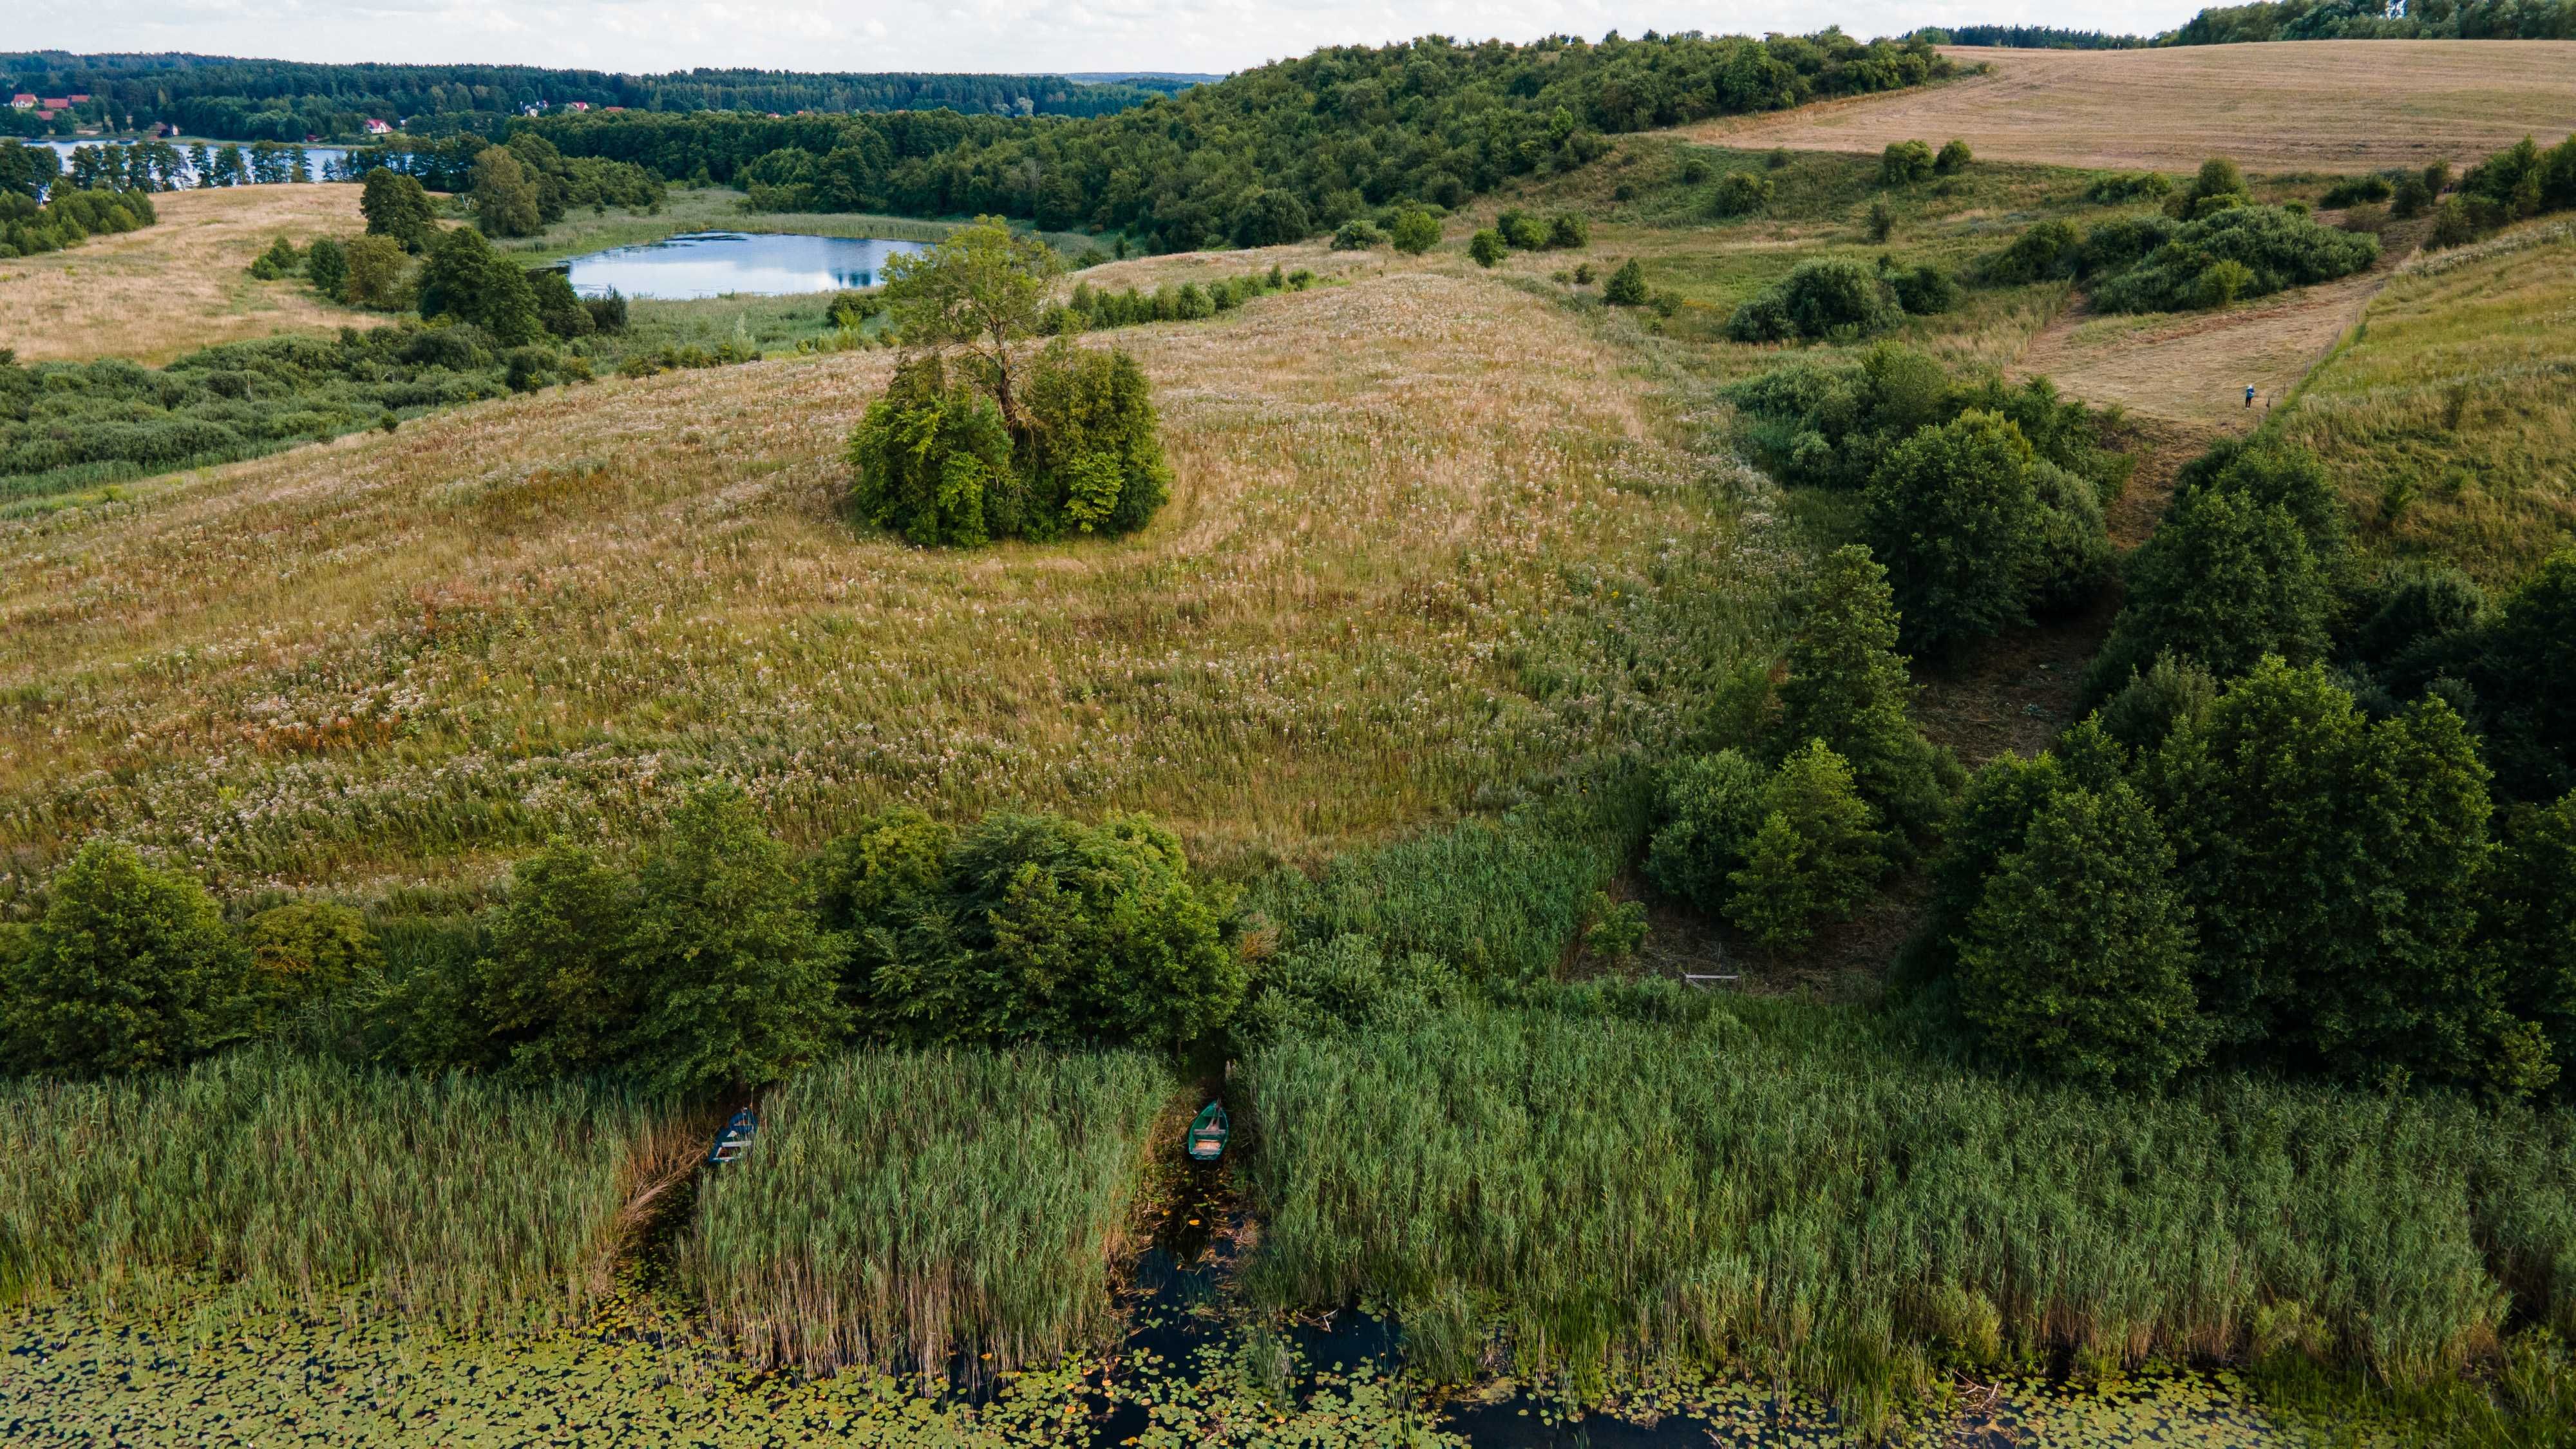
x,y
2269,248
375,277
1272,217
1954,158
1815,854
1922,291
2074,561
1569,231
2121,242
1486,247
1709,809
1833,299
559,308
931,454
2045,251
1694,170
1741,193
2528,921
1520,230
556,989
2411,198
2078,959
607,312
1415,231
735,984
1881,222
2218,187
1346,984
505,200
1904,163
304,952
1093,450
1953,516
129,968
1044,929
465,279
2138,186
1358,234
2223,581
1627,285
2354,191
326,266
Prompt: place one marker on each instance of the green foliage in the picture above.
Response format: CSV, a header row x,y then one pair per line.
x,y
2268,247
397,206
1626,286
1519,230
2516,660
2078,957
2355,191
1415,231
1617,931
505,201
2238,568
326,266
2045,251
68,218
2261,20
1954,518
1709,810
979,288
465,279
1569,231
1742,193
910,1210
1924,290
1358,234
1486,247
304,953
1816,853
1847,686
2111,190
557,992
1345,984
2527,924
1881,221
1829,300
28,171
129,968
1904,163
1092,453
926,455
736,984
1954,158
377,275
2321,946
1034,928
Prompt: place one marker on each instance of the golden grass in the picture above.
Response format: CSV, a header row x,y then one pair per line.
x,y
2337,105
182,284
399,656
2450,419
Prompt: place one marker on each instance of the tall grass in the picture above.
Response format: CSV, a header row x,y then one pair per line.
x,y
304,1184
1785,1189
902,1208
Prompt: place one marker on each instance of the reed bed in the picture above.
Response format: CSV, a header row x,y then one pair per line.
x,y
1784,1189
304,1185
906,1210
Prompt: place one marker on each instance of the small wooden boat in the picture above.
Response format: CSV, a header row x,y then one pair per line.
x,y
735,1139
1206,1140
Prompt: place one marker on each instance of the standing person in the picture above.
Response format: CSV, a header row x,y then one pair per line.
x,y
2249,394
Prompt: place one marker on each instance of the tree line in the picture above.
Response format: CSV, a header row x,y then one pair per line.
x,y
2266,20
225,98
1272,154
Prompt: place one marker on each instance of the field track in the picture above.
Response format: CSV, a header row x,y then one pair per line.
x,y
2329,105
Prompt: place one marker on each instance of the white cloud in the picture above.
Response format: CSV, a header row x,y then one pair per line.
x,y
945,35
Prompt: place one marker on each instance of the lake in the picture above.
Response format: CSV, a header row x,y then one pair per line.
x,y
715,263
323,160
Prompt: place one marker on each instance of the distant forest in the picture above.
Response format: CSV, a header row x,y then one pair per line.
x,y
278,100
2301,20
1268,155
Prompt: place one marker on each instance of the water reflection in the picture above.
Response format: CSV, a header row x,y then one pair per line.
x,y
713,264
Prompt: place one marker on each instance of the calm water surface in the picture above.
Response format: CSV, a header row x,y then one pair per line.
x,y
713,264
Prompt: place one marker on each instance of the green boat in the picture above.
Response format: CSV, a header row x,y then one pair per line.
x,y
1206,1142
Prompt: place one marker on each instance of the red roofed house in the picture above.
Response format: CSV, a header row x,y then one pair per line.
x,y
79,97
53,105
23,101
377,128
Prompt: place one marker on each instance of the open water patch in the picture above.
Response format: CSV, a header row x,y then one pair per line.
x,y
697,265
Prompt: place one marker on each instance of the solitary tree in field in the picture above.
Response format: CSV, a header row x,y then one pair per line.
x,y
981,289
505,201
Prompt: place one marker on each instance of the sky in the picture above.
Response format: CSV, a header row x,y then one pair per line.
x,y
946,35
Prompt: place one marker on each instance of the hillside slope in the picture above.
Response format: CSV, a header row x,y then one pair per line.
x,y
2337,105
1397,499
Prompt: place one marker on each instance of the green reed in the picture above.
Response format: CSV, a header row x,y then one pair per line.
x,y
302,1184
903,1208
1785,1189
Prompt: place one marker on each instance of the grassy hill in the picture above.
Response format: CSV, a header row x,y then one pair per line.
x,y
2344,105
2450,416
1402,506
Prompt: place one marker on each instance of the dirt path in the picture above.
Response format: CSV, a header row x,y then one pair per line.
x,y
2337,105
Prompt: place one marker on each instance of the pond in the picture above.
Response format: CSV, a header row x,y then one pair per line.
x,y
720,263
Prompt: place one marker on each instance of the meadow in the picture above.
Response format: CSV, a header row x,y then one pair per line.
x,y
1789,1190
2323,105
2448,415
1380,591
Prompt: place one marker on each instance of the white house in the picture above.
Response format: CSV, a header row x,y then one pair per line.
x,y
378,128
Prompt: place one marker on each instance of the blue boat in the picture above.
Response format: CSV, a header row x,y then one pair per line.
x,y
735,1139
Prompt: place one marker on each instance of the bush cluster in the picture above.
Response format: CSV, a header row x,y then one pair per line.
x,y
713,962
2518,182
67,218
2238,251
1826,300
1089,308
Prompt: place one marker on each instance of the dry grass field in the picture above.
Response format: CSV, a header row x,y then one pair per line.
x,y
395,657
182,284
2334,105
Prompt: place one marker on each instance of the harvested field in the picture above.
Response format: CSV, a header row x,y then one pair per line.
x,y
1405,508
2333,105
181,284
